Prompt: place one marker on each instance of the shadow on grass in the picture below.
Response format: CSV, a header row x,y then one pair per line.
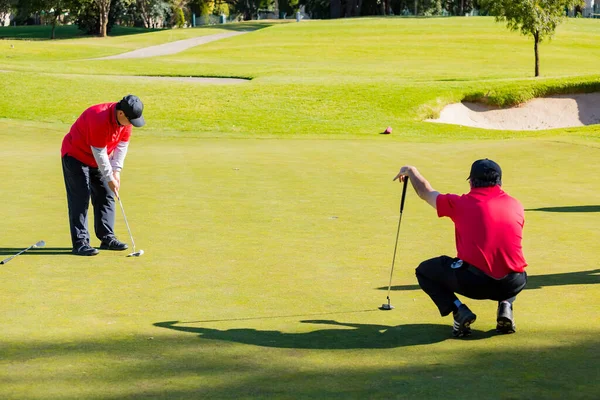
x,y
44,251
574,209
362,336
183,367
241,26
43,32
589,277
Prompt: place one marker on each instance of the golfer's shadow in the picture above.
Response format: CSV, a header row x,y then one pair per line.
x,y
9,251
344,336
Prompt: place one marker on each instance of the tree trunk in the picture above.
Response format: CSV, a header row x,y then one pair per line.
x,y
142,5
348,11
416,1
53,34
536,40
103,8
359,8
335,8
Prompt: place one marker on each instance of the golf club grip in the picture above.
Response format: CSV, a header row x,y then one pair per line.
x,y
403,194
8,259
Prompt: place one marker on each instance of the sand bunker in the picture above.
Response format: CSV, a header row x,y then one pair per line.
x,y
559,111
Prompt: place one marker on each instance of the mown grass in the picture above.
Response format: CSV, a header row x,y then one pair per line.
x,y
268,218
44,32
337,77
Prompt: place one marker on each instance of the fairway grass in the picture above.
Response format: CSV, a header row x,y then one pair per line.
x,y
278,253
268,214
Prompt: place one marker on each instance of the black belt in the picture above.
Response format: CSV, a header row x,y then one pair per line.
x,y
477,271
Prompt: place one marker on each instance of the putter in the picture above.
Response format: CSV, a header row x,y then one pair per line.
x,y
41,243
387,306
135,253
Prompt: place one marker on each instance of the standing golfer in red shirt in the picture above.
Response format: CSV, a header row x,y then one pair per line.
x,y
490,263
92,154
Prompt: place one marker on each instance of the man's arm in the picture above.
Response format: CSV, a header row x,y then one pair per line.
x,y
101,157
419,183
118,157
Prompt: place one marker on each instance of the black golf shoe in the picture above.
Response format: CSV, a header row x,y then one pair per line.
x,y
85,250
505,321
463,318
112,243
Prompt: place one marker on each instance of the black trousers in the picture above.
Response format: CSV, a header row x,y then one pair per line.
x,y
440,281
82,183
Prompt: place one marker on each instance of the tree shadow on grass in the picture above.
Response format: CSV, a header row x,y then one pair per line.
x,y
182,367
589,277
362,336
43,32
574,209
43,251
242,26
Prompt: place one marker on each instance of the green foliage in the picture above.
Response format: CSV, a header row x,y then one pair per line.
x,y
220,8
531,17
88,17
179,17
316,8
6,7
513,94
154,13
459,7
289,7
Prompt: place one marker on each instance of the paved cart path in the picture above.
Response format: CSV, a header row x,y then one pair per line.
x,y
172,47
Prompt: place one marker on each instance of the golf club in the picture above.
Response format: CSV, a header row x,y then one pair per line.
x,y
388,306
41,243
135,253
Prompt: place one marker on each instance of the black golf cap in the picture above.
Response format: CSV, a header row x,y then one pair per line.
x,y
485,169
132,107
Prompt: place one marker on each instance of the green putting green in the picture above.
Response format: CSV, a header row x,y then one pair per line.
x,y
268,240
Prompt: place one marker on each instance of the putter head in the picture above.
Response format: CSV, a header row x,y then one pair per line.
x,y
136,253
41,243
386,307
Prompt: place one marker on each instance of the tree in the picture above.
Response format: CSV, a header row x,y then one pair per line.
x,y
103,9
248,8
51,10
87,15
536,18
54,8
153,12
6,8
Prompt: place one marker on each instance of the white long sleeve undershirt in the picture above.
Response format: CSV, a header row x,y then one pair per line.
x,y
106,164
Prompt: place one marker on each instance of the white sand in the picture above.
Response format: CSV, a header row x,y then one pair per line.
x,y
542,113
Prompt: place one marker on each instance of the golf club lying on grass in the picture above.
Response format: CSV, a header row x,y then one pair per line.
x,y
388,306
135,253
41,243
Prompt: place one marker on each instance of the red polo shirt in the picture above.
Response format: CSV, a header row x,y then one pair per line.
x,y
97,126
488,227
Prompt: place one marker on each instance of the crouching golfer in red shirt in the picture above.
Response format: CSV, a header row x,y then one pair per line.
x,y
490,263
93,153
